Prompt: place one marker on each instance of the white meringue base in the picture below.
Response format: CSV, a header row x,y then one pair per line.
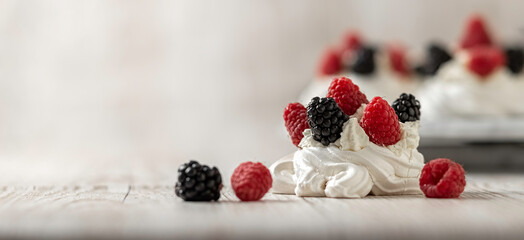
x,y
331,172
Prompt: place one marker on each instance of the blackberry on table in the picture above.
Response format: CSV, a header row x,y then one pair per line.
x,y
364,61
407,108
515,59
198,182
325,119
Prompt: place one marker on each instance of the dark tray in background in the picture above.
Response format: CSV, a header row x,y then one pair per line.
x,y
480,156
490,145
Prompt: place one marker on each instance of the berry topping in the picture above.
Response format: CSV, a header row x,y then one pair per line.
x,y
198,182
407,108
350,45
398,61
251,181
484,60
295,118
347,95
476,34
364,62
326,119
352,41
436,56
442,178
330,62
515,59
381,123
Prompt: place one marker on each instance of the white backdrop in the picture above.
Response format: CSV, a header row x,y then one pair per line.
x,y
99,89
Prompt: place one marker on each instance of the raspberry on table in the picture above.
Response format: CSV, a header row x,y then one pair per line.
x,y
347,95
476,34
251,181
442,178
407,108
198,182
295,119
326,120
330,62
380,123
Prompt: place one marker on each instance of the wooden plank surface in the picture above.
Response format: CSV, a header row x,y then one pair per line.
x,y
491,207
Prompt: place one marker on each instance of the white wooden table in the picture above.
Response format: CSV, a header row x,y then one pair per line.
x,y
492,206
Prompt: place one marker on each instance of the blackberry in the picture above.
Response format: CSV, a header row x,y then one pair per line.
x,y
436,56
325,119
421,70
515,59
198,182
364,61
407,108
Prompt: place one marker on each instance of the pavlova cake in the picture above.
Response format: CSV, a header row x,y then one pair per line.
x,y
481,80
349,147
383,72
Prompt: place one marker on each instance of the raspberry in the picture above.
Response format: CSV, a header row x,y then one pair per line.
x,y
484,60
398,61
330,62
475,34
442,178
351,43
326,120
251,181
347,95
381,123
295,118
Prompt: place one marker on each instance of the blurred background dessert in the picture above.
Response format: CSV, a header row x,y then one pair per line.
x,y
378,69
472,98
480,81
471,91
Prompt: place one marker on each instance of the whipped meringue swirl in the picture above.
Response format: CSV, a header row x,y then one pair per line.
x,y
352,167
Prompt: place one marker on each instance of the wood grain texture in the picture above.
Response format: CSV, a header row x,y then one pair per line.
x,y
491,207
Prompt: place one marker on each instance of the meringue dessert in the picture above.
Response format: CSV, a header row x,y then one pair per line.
x,y
458,92
349,147
483,80
384,72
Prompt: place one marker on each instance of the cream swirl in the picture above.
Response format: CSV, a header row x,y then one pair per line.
x,y
351,167
329,172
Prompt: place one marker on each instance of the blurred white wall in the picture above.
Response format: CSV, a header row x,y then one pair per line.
x,y
122,84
